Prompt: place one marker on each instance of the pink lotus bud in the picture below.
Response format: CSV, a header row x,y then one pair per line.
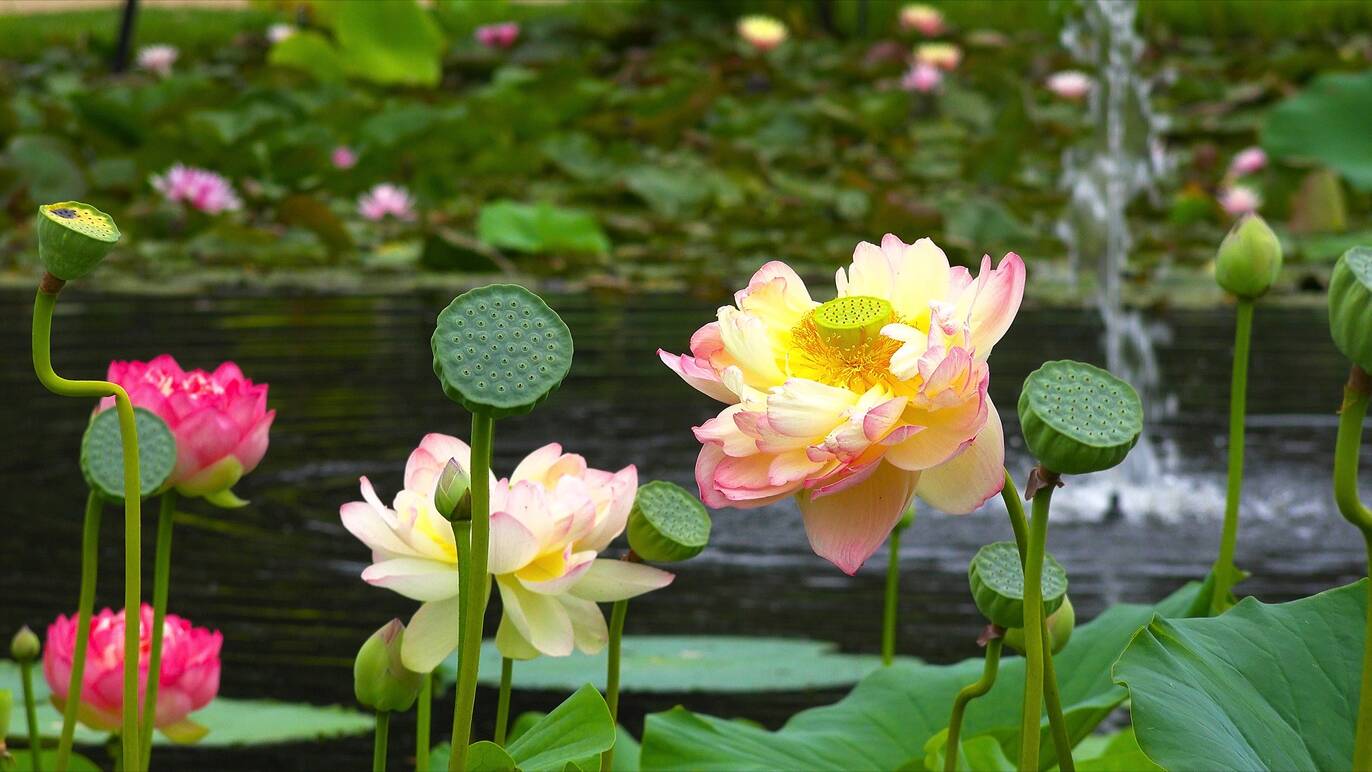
x,y
1240,200
922,78
158,59
200,189
499,36
762,32
188,681
926,20
220,420
1248,161
386,199
343,157
1070,84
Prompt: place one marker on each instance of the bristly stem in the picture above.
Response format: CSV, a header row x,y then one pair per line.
x,y
472,573
1347,450
969,693
892,600
502,706
43,305
1238,398
31,714
161,583
617,614
383,731
85,605
1034,647
423,719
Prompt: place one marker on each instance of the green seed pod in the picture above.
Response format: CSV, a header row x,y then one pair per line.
x,y
667,523
102,454
1350,306
25,646
73,238
380,680
1078,418
997,580
453,494
500,350
1060,626
1249,258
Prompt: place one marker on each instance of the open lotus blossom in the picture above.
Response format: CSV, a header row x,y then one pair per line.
x,y
924,19
944,56
200,189
549,521
856,405
762,32
501,35
188,681
922,78
1070,84
1250,160
386,200
279,32
1239,200
220,420
343,157
158,59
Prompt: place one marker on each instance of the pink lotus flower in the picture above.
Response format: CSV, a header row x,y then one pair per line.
x,y
927,20
500,36
857,405
922,78
158,59
220,421
944,56
201,189
386,199
343,157
1239,200
1070,84
762,32
1248,161
188,681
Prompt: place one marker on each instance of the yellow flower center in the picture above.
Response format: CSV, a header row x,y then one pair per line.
x,y
840,343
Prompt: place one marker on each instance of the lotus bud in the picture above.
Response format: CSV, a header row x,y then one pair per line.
x,y
1350,306
380,680
1249,258
1060,626
73,238
453,496
25,647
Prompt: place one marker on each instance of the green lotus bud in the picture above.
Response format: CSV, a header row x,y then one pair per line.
x,y
1060,626
1078,418
1249,258
997,580
667,524
380,680
25,647
453,495
1350,306
73,238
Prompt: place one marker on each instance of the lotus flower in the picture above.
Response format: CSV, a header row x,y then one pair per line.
x,y
343,157
201,189
1250,160
926,20
158,59
762,32
279,32
944,56
549,521
220,421
1239,200
922,78
501,35
188,681
856,405
386,199
1070,84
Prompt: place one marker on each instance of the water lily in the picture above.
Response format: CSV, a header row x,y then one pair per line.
x,y
1070,84
198,188
922,78
856,405
944,56
926,20
1239,200
549,521
343,157
386,200
158,59
762,32
1250,160
503,35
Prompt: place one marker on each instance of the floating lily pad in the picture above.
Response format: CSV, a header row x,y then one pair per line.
x,y
102,453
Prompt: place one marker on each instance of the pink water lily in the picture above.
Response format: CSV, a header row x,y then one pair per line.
x,y
343,157
1239,200
386,200
922,78
1250,160
158,59
856,405
926,20
199,189
502,35
1072,85
549,521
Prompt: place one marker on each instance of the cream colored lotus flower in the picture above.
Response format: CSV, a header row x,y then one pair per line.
x,y
856,405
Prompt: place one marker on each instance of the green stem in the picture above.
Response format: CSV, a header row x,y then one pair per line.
x,y
1362,741
383,731
1034,648
90,554
502,707
42,366
888,617
31,713
1015,509
1238,398
617,614
1347,449
161,583
969,693
473,573
421,732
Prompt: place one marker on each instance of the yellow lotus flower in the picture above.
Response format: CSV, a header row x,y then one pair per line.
x,y
856,405
762,32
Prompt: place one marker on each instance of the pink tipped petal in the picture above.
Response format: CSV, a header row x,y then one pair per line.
x,y
372,529
966,481
727,430
846,527
415,578
427,461
512,544
577,566
878,423
776,295
431,635
253,446
606,581
536,465
698,376
539,618
993,301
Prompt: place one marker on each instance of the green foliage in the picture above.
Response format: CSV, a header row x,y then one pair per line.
x,y
571,737
540,229
45,168
396,42
1324,123
1259,687
23,762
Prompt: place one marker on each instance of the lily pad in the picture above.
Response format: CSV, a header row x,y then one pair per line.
x,y
1326,123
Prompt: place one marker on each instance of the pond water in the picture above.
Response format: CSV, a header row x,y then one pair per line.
x,y
351,378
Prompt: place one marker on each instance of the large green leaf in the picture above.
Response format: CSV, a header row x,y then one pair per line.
x,y
540,229
391,42
1327,122
46,167
1260,687
888,718
312,52
573,735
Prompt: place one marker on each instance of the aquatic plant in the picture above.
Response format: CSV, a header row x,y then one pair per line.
x,y
200,189
386,200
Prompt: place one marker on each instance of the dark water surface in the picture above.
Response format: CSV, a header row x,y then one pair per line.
x,y
352,382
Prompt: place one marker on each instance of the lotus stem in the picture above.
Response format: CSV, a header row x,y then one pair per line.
x,y
617,614
161,583
502,707
1034,644
473,570
1346,452
85,605
422,722
31,714
1238,398
969,693
892,599
383,730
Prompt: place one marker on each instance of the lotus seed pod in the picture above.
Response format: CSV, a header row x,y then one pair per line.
x,y
102,453
1249,258
453,494
380,680
997,580
667,524
1350,306
500,350
1060,626
1078,418
25,646
849,322
73,238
